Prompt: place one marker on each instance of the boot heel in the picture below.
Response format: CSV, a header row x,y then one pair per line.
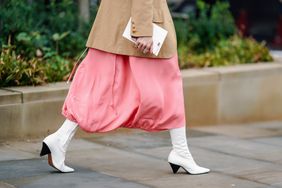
x,y
174,167
45,150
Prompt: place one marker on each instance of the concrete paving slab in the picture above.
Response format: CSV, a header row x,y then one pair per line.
x,y
217,162
120,163
147,170
6,185
12,154
142,139
268,176
34,146
150,170
35,173
272,125
137,158
240,147
277,141
8,151
251,130
213,180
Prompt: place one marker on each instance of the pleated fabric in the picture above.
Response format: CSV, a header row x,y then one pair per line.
x,y
110,90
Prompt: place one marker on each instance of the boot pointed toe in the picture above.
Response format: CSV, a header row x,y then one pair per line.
x,y
188,164
56,144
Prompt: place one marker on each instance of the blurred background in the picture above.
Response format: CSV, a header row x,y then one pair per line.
x,y
258,18
45,37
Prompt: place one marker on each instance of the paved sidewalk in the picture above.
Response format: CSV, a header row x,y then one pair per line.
x,y
243,156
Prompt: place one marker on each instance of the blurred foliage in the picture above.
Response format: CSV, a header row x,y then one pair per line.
x,y
16,70
39,25
40,36
205,27
209,38
230,51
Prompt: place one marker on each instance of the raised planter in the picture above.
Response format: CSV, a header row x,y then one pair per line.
x,y
231,95
223,95
31,111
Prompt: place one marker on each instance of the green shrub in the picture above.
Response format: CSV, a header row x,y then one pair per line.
x,y
201,32
43,41
58,68
209,39
39,25
16,16
16,70
234,50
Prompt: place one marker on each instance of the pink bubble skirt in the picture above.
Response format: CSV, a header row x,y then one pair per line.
x,y
110,90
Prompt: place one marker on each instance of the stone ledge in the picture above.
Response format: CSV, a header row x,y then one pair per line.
x,y
246,70
9,97
196,76
49,91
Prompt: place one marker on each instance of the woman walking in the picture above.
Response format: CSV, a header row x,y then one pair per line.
x,y
122,84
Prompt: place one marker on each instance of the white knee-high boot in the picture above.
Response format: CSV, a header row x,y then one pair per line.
x,y
180,155
55,145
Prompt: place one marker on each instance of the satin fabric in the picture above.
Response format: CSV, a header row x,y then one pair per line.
x,y
113,90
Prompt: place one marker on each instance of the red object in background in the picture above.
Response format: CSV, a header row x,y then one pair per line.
x,y
278,35
242,22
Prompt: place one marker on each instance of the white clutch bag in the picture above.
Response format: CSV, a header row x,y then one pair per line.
x,y
159,35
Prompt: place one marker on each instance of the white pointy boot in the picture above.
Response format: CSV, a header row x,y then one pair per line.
x,y
55,145
180,155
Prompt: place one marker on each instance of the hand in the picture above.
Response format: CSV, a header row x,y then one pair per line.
x,y
144,44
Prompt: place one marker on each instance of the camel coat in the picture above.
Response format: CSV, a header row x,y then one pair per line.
x,y
113,16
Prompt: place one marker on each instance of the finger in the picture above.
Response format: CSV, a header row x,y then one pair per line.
x,y
138,42
139,45
142,47
151,49
135,45
145,46
147,49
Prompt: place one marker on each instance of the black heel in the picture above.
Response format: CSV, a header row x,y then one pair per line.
x,y
174,167
45,150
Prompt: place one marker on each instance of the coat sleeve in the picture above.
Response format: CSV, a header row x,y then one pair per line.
x,y
141,18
